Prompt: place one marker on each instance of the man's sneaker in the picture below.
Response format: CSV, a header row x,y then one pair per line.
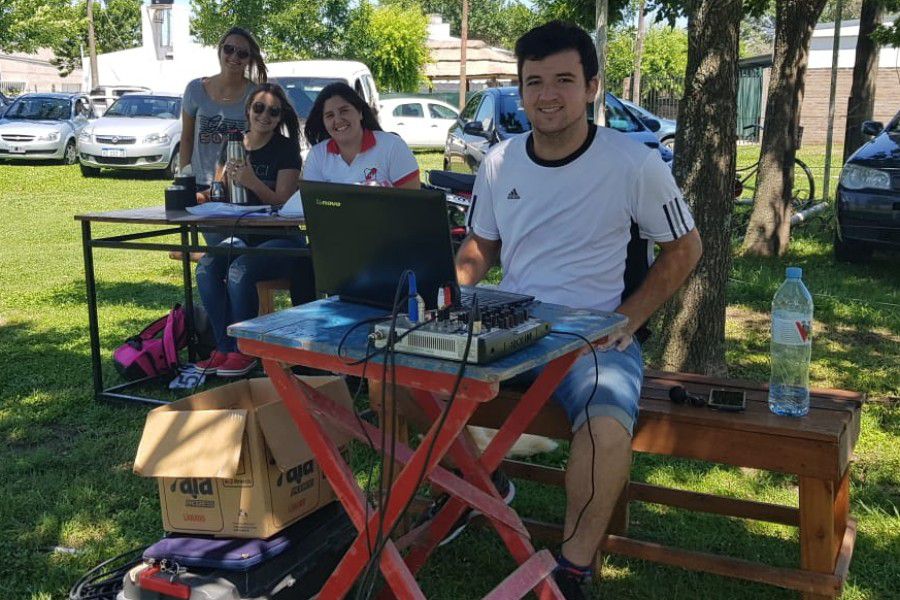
x,y
212,364
236,365
574,586
504,486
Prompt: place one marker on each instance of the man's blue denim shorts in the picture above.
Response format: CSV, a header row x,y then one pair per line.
x,y
619,381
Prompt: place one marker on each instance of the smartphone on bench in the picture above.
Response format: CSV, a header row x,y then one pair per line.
x,y
728,400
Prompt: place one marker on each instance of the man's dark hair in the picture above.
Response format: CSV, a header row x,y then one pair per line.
x,y
553,37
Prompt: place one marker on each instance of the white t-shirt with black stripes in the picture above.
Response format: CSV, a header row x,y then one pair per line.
x,y
565,225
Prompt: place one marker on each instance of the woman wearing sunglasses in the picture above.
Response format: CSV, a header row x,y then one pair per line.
x,y
350,146
212,107
270,175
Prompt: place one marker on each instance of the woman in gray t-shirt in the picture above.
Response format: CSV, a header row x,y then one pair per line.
x,y
214,106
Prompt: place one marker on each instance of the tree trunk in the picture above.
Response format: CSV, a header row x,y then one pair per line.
x,y
693,325
634,91
861,103
463,44
92,45
601,15
769,231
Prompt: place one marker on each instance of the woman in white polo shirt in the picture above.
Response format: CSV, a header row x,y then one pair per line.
x,y
350,146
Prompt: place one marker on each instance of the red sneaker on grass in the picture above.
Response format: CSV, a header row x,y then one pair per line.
x,y
211,365
236,365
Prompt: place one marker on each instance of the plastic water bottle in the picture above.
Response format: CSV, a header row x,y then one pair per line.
x,y
792,313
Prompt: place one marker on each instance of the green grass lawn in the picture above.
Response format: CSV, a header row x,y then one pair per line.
x,y
65,460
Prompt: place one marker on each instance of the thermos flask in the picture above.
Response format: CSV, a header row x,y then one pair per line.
x,y
235,153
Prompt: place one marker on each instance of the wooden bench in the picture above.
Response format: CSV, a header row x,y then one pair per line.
x,y
816,448
266,291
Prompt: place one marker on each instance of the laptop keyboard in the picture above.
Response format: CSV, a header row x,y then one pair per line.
x,y
492,298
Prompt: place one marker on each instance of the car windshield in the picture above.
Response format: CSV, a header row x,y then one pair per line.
x,y
894,126
512,115
618,117
44,109
302,91
155,107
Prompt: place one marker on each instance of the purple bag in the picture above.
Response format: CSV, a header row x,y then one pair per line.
x,y
154,351
230,554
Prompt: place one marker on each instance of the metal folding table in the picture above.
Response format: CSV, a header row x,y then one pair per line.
x,y
156,222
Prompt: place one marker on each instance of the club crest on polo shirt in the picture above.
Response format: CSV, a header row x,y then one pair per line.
x,y
513,195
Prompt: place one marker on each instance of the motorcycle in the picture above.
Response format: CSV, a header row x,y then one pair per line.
x,y
457,188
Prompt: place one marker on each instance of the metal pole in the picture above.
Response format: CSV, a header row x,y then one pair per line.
x,y
92,44
93,323
602,11
835,52
463,42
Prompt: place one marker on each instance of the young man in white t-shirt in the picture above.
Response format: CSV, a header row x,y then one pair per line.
x,y
571,211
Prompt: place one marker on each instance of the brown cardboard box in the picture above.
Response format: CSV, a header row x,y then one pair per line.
x,y
231,461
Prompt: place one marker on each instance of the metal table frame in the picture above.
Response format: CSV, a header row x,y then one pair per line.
x,y
163,223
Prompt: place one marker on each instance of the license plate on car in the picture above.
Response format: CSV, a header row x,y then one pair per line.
x,y
17,150
112,152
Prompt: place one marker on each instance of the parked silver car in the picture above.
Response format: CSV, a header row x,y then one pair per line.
x,y
44,127
138,132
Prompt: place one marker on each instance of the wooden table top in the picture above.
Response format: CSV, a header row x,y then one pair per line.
x,y
320,326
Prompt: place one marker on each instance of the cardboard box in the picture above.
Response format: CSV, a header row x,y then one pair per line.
x,y
231,461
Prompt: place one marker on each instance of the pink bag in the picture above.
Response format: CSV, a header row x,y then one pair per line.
x,y
154,351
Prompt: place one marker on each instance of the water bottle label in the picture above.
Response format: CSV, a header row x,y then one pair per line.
x,y
791,332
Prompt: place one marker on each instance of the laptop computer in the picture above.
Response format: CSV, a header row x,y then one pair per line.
x,y
363,238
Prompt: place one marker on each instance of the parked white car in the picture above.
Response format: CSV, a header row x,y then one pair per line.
x,y
421,122
42,126
105,95
138,132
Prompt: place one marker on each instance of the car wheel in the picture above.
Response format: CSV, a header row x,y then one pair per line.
x,y
446,164
169,172
850,250
70,154
669,143
87,171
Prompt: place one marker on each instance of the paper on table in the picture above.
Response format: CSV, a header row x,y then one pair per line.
x,y
293,207
225,209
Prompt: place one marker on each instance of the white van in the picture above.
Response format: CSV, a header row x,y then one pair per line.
x,y
103,96
304,79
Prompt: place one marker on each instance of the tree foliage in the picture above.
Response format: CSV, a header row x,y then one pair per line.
x,y
497,22
665,55
285,29
390,39
26,25
117,26
889,35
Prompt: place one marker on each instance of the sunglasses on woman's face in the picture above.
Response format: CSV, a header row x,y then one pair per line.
x,y
242,54
259,107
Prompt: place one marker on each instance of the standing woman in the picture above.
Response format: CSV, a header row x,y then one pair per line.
x,y
214,106
350,146
270,175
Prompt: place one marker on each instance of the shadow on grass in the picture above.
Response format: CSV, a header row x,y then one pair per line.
x,y
143,294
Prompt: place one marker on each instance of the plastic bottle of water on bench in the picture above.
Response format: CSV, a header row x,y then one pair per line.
x,y
792,314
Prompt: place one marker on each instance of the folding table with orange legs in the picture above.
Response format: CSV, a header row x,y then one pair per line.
x,y
319,335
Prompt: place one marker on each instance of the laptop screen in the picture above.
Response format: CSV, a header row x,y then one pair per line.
x,y
363,238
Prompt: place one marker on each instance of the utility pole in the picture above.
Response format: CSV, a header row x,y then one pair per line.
x,y
92,45
829,137
635,88
602,12
463,42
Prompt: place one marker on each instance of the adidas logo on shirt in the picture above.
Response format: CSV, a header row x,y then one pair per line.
x,y
513,195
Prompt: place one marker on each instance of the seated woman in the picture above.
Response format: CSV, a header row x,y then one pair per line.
x,y
270,175
350,146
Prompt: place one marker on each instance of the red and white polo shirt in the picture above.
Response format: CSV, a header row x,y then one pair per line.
x,y
384,158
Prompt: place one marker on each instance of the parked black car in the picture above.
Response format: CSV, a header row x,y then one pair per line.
x,y
4,102
868,195
495,114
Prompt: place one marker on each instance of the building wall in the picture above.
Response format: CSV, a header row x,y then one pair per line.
x,y
814,112
36,73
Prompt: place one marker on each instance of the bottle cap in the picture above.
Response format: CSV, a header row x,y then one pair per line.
x,y
794,272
